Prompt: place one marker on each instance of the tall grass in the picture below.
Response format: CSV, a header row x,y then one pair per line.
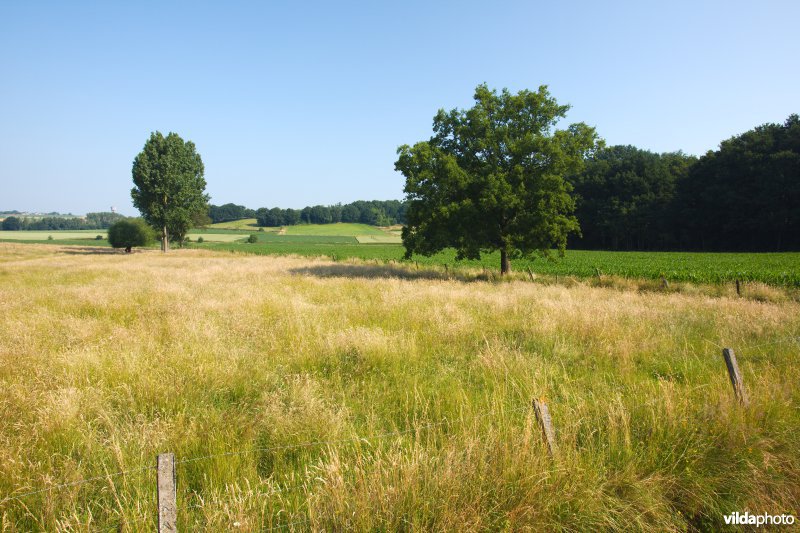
x,y
108,359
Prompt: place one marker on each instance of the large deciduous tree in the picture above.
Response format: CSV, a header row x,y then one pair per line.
x,y
492,178
169,185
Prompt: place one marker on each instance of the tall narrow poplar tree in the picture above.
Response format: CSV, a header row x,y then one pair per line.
x,y
169,185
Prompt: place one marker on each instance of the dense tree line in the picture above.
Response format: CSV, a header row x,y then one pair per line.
x,y
746,195
228,212
90,221
626,199
743,196
375,212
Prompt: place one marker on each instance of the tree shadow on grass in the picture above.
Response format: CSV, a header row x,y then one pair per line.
x,y
368,271
93,250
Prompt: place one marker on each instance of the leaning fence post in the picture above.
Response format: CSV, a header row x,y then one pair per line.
x,y
736,376
546,425
530,273
167,494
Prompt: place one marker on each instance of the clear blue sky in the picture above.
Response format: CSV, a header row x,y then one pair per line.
x,y
296,103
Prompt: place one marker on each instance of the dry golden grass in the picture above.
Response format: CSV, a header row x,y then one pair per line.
x,y
107,359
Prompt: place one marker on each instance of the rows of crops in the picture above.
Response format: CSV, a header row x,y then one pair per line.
x,y
775,268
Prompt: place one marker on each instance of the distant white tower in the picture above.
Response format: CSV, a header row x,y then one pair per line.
x,y
113,209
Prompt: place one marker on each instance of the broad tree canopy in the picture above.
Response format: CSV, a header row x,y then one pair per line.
x,y
169,185
492,178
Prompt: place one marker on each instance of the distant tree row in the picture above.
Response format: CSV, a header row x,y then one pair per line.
x,y
90,221
375,212
229,212
744,196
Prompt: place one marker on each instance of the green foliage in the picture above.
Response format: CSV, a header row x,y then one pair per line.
x,y
228,212
626,198
60,223
492,178
375,212
130,232
200,240
252,239
98,238
11,224
746,195
169,185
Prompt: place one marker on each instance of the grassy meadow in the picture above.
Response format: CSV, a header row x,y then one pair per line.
x,y
246,224
307,394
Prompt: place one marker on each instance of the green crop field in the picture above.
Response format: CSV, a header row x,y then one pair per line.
x,y
386,238
351,230
249,224
304,239
218,236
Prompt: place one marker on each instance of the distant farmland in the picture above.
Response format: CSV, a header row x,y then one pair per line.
x,y
360,241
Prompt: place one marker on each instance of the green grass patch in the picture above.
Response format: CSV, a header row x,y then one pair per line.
x,y
217,236
243,224
307,240
379,239
57,235
339,229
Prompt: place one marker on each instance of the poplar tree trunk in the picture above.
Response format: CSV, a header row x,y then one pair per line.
x,y
505,263
164,240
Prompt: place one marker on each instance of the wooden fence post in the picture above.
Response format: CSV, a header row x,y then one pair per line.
x,y
167,494
736,376
738,289
530,273
546,425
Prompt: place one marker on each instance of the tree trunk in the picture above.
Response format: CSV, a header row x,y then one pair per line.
x,y
164,240
505,263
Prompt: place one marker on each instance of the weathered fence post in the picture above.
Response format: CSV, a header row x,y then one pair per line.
x,y
738,289
530,273
736,376
664,282
167,494
546,425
